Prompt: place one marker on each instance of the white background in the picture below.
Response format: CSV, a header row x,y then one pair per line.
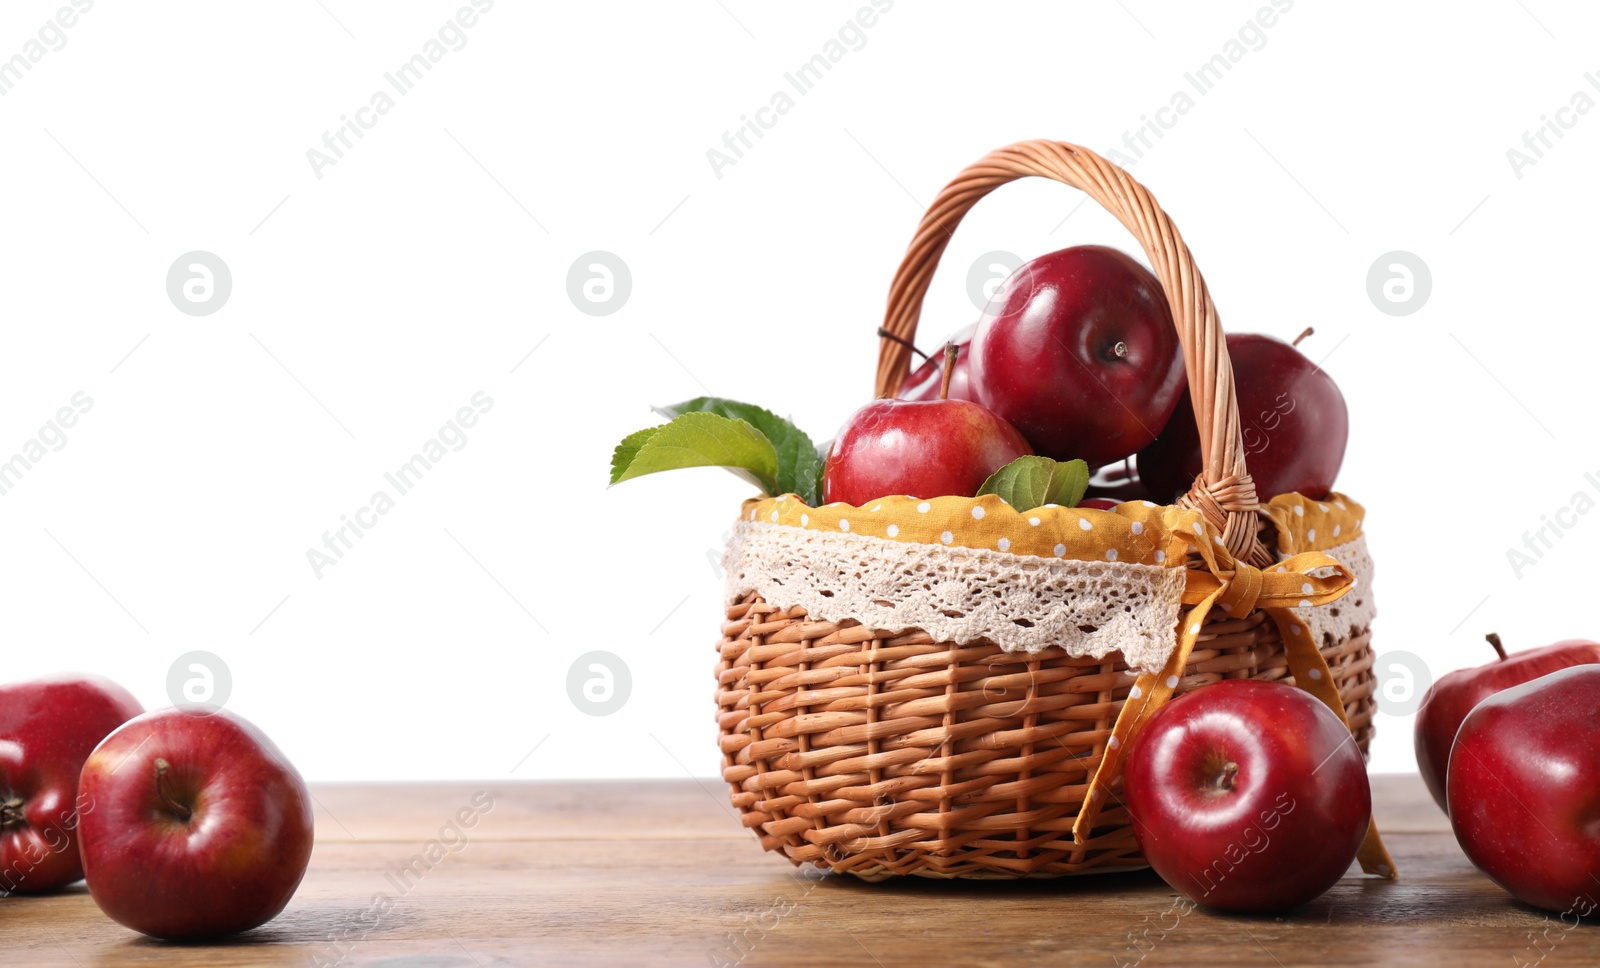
x,y
374,301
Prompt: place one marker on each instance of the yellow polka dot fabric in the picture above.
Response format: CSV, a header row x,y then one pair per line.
x,y
1307,525
1136,532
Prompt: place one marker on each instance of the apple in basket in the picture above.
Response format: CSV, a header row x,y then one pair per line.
x,y
926,382
920,448
1247,795
1292,416
1449,700
1078,351
1117,482
1524,790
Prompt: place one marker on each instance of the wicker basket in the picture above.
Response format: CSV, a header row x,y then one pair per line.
x,y
866,752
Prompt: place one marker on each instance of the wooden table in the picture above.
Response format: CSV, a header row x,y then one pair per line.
x,y
662,873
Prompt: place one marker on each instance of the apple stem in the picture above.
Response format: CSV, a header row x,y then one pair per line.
x,y
951,351
163,787
1225,779
1302,336
1493,638
11,814
902,341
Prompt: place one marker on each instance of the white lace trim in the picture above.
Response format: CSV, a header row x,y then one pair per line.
x,y
1355,611
1020,603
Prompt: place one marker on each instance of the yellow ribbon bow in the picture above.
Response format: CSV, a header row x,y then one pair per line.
x,y
1238,588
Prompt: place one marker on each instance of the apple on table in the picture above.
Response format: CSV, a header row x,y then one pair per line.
x,y
1448,701
48,727
1524,790
1247,795
201,827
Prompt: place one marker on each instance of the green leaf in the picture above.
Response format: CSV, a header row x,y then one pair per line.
x,y
1030,482
698,440
822,465
628,450
1068,483
799,467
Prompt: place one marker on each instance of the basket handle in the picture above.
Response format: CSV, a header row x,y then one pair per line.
x,y
1224,492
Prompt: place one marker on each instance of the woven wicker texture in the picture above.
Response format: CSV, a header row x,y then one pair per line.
x,y
903,755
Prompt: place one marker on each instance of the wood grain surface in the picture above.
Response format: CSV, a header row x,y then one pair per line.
x,y
660,872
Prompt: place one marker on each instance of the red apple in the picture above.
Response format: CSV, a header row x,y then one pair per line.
x,y
1524,788
925,381
47,729
1119,482
1248,795
1449,700
1102,503
1077,350
201,827
1292,417
920,448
